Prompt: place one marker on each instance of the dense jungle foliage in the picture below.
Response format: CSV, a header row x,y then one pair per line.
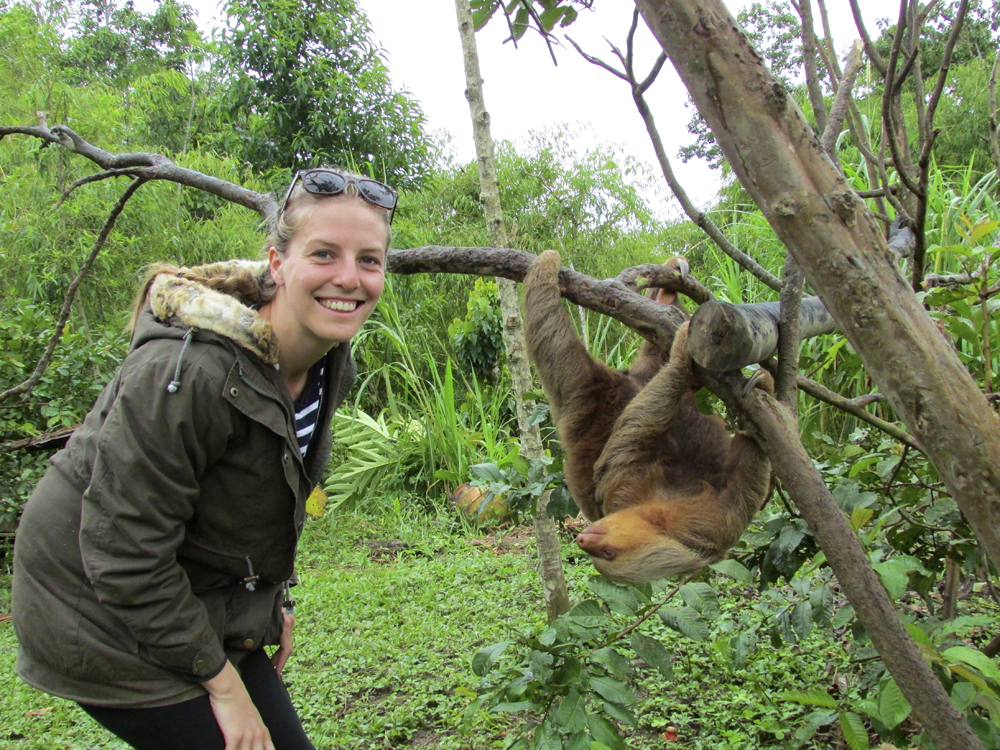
x,y
763,652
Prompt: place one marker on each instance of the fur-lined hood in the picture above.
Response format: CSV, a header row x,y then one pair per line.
x,y
195,304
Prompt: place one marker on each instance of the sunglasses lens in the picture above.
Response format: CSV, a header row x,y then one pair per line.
x,y
377,193
324,182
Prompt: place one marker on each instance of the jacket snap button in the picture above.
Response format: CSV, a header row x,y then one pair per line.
x,y
248,644
199,665
234,392
284,458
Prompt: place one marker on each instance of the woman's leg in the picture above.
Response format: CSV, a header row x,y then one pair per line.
x,y
272,700
191,725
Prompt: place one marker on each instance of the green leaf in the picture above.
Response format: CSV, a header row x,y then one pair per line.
x,y
615,663
854,731
801,617
513,708
619,598
487,472
619,713
470,713
892,706
604,731
733,569
613,690
844,616
702,598
546,738
812,722
654,653
977,659
893,575
482,662
742,646
577,741
568,672
861,516
982,229
686,621
809,698
571,716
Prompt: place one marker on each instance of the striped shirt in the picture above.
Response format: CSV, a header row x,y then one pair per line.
x,y
307,407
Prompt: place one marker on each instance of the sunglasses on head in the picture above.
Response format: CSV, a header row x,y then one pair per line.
x,y
331,182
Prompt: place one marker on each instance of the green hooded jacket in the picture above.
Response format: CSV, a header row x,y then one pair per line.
x,y
158,542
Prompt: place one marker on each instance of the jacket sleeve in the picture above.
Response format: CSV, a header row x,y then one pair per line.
x,y
152,449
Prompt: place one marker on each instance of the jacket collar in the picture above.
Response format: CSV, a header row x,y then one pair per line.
x,y
195,305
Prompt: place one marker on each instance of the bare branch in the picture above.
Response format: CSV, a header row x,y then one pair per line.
x,y
804,8
788,332
854,408
26,386
149,166
889,96
842,102
656,275
942,78
873,53
96,177
994,117
698,217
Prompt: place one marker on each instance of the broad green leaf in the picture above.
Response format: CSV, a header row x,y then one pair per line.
x,y
482,662
844,615
487,472
604,732
892,706
577,741
654,653
801,617
619,713
617,664
513,708
809,698
702,598
742,646
686,621
812,722
982,229
854,730
568,672
619,598
863,464
860,517
893,576
571,716
733,569
917,634
613,690
986,666
546,738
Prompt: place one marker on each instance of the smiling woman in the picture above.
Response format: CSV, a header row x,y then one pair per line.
x,y
154,557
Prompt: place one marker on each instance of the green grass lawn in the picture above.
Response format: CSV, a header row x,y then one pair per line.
x,y
389,615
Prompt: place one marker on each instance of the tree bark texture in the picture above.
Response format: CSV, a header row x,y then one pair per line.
x,y
834,239
547,537
839,247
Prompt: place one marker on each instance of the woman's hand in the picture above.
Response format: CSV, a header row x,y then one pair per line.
x,y
285,644
238,718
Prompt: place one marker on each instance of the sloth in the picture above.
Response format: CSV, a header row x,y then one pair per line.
x,y
666,488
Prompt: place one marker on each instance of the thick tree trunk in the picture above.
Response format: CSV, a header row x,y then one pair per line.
x,y
547,536
835,241
844,257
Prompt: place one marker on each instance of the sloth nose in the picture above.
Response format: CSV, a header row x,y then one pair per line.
x,y
590,540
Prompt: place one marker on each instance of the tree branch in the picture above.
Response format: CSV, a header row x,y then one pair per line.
x,y
842,102
854,407
873,53
789,335
26,386
994,117
149,166
813,86
698,217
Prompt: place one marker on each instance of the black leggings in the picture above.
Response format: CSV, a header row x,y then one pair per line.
x,y
191,725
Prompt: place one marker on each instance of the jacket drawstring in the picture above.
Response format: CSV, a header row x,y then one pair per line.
x,y
176,382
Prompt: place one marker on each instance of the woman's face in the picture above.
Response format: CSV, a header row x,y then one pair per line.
x,y
332,273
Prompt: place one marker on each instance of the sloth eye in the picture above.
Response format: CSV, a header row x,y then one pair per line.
x,y
609,554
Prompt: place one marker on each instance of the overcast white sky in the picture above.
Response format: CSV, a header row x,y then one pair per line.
x,y
525,92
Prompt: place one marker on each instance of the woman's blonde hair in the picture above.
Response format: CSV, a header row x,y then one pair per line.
x,y
300,204
251,282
